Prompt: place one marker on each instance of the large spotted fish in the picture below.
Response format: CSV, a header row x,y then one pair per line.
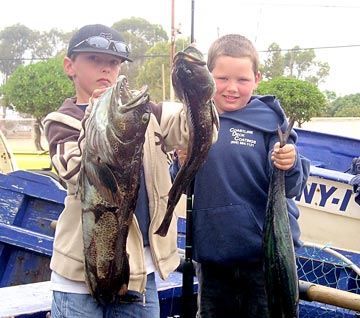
x,y
281,278
195,87
109,182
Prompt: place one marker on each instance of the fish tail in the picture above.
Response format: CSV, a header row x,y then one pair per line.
x,y
174,197
165,224
107,290
284,136
164,227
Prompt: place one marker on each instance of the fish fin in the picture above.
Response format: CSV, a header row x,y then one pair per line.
x,y
80,184
103,179
165,224
215,117
174,197
284,136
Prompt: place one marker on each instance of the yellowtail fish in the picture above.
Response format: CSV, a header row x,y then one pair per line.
x,y
281,278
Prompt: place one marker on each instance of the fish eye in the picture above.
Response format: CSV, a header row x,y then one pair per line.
x,y
145,118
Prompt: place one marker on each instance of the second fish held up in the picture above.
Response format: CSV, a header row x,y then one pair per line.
x,y
195,87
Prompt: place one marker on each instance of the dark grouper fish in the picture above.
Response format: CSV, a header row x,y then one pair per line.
x,y
195,87
281,278
109,181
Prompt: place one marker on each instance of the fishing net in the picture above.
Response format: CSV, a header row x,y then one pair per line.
x,y
325,266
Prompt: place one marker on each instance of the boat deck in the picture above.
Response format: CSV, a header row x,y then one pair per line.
x,y
35,299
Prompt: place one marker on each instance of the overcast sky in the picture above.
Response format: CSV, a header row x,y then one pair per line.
x,y
331,27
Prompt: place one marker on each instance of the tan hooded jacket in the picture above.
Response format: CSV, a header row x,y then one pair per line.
x,y
64,132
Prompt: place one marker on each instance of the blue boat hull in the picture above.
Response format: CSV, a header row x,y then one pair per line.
x,y
31,202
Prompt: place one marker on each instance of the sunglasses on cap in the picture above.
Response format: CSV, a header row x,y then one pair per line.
x,y
100,42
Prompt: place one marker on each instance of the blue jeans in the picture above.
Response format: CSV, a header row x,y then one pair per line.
x,y
231,292
68,305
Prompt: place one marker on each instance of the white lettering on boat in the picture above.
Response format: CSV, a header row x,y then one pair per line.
x,y
326,196
329,196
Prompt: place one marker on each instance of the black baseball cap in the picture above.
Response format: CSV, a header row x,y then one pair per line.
x,y
98,38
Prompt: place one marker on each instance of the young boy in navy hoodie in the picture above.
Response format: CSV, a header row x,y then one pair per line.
x,y
231,189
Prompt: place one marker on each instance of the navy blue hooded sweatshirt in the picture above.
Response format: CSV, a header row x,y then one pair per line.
x,y
231,189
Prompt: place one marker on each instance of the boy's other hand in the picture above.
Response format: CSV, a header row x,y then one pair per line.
x,y
181,154
96,94
284,157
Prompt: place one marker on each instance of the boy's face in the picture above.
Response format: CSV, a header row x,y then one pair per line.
x,y
91,71
235,82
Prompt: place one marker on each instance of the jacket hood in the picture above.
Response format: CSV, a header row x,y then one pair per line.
x,y
271,114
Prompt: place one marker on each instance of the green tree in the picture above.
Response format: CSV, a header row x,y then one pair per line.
x,y
141,35
301,64
138,31
348,111
14,43
296,63
20,45
297,97
49,44
38,89
330,97
155,72
274,64
346,106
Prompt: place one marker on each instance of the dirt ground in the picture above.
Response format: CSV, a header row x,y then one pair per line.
x,y
25,144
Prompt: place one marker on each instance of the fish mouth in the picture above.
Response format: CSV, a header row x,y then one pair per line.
x,y
192,55
129,98
190,70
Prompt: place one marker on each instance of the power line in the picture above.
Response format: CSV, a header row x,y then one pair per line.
x,y
167,55
285,4
25,58
311,48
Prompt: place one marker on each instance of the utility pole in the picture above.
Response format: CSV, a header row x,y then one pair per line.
x,y
172,47
188,302
192,36
172,40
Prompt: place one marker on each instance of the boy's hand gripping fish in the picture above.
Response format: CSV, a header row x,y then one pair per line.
x,y
281,278
195,87
109,181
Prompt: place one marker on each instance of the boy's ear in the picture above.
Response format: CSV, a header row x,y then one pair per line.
x,y
68,66
257,80
258,77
